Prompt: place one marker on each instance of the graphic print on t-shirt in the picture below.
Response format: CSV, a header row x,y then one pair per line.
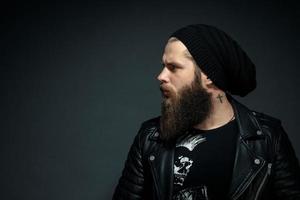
x,y
191,141
182,163
192,193
203,163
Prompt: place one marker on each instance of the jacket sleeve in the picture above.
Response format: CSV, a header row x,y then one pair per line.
x,y
286,170
131,182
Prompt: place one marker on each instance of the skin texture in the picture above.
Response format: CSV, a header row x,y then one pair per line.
x,y
179,70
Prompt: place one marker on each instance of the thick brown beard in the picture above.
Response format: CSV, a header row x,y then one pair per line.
x,y
190,107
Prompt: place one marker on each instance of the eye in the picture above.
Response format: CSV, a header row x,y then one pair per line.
x,y
172,68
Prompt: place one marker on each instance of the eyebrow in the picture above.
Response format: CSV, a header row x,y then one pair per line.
x,y
172,63
186,54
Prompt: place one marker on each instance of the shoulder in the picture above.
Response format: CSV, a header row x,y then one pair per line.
x,y
149,127
266,120
148,133
258,118
269,125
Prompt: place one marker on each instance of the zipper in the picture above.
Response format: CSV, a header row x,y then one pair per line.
x,y
248,183
204,191
263,181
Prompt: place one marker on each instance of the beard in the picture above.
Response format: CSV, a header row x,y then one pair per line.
x,y
181,112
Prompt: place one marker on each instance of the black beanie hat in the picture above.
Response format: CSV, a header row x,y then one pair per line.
x,y
219,57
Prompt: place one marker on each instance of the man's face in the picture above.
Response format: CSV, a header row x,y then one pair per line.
x,y
178,70
185,101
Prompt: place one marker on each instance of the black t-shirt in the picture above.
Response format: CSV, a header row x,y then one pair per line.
x,y
203,162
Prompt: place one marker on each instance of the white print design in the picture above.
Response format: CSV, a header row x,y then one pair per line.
x,y
190,142
182,167
184,196
183,164
194,193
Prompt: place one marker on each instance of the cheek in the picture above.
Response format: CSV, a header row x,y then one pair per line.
x,y
179,81
180,85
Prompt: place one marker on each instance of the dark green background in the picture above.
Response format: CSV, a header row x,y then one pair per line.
x,y
78,79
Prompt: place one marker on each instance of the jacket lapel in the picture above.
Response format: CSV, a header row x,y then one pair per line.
x,y
247,162
162,167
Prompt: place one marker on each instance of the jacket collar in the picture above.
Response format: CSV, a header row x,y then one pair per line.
x,y
248,126
248,160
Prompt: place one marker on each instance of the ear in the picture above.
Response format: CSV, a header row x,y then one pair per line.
x,y
205,80
208,81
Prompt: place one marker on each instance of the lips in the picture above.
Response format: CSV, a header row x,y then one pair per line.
x,y
165,92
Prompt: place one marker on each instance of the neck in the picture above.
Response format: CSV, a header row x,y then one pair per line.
x,y
221,113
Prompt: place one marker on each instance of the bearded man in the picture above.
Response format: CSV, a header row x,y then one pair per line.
x,y
205,144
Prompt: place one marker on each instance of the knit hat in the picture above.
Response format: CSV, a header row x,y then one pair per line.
x,y
219,57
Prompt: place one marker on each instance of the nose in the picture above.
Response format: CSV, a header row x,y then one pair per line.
x,y
163,76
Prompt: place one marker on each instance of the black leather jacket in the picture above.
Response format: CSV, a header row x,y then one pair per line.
x,y
265,165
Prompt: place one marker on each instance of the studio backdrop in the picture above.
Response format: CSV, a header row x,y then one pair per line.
x,y
78,79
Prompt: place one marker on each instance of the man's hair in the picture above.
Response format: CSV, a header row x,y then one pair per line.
x,y
188,55
186,52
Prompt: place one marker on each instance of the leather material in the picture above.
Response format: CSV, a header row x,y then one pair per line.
x,y
265,165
